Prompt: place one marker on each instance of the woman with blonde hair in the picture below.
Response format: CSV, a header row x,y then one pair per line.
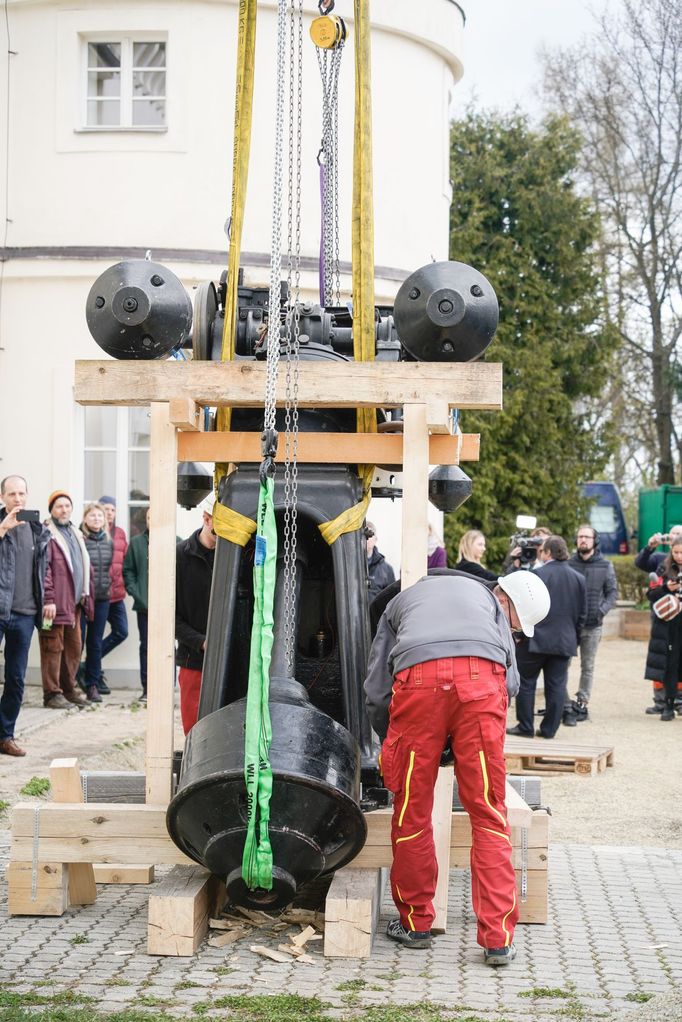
x,y
100,547
471,551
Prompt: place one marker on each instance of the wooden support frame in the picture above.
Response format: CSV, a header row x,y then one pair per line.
x,y
176,392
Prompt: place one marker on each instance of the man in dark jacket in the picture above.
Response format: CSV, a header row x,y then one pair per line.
x,y
440,671
379,571
23,561
193,576
136,579
554,643
601,595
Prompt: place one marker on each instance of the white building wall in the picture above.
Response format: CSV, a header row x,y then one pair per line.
x,y
75,194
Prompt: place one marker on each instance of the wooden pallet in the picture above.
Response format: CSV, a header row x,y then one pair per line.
x,y
537,755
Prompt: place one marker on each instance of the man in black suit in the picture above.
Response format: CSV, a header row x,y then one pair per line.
x,y
554,643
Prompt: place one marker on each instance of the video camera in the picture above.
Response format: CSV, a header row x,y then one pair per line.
x,y
529,545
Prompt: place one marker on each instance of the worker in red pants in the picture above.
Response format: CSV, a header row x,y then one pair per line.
x,y
441,670
193,577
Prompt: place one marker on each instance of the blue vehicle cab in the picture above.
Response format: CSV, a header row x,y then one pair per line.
x,y
606,516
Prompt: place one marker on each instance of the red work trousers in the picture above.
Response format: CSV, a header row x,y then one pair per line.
x,y
465,699
190,690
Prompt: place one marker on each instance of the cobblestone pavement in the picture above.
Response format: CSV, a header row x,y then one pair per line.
x,y
614,936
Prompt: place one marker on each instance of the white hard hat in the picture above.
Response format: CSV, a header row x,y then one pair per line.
x,y
530,597
207,503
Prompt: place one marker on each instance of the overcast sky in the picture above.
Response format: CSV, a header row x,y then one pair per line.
x,y
501,40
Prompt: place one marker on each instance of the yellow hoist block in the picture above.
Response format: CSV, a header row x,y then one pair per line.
x,y
328,32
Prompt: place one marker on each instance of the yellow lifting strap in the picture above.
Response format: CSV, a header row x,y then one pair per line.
x,y
243,112
230,524
363,257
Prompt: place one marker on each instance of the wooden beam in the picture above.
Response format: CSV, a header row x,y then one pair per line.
x,y
119,873
51,896
183,413
332,448
161,642
351,912
179,910
441,821
65,779
242,384
415,495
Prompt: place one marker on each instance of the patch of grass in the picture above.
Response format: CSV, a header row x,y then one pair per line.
x,y
36,786
422,1012
201,1008
390,976
79,938
352,985
135,707
550,992
279,1008
150,1001
116,981
127,743
4,806
186,984
224,970
639,996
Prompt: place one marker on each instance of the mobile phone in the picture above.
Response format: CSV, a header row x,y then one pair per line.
x,y
28,516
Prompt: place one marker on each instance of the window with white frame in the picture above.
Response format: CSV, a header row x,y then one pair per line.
x,y
125,83
116,461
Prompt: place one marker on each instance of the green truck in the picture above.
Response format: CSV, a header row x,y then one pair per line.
x,y
659,510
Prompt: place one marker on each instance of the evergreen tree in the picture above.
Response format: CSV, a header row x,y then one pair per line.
x,y
517,218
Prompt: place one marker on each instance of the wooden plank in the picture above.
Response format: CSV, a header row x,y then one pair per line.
x,y
332,448
415,522
120,873
438,418
116,822
183,413
351,913
52,889
161,641
441,821
179,910
242,384
534,908
519,812
113,786
65,779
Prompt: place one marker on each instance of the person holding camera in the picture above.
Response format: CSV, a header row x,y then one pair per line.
x,y
649,558
664,655
23,562
525,549
379,571
602,593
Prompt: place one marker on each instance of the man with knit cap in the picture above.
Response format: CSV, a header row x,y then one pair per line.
x,y
23,560
67,588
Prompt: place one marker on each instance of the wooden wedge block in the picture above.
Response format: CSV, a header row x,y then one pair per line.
x,y
534,908
65,779
179,910
120,873
352,912
52,889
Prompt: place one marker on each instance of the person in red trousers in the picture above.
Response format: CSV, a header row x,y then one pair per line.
x,y
441,670
193,577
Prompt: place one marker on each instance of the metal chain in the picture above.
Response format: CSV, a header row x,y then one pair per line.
x,y
293,328
273,342
329,63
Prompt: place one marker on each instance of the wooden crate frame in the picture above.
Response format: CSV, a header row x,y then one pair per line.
x,y
176,393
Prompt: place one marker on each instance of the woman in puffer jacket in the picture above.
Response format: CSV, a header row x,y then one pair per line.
x,y
664,655
101,550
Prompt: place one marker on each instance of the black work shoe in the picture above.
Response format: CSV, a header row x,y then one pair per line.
x,y
519,732
499,955
80,677
668,713
540,734
93,695
102,686
569,719
419,940
654,709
